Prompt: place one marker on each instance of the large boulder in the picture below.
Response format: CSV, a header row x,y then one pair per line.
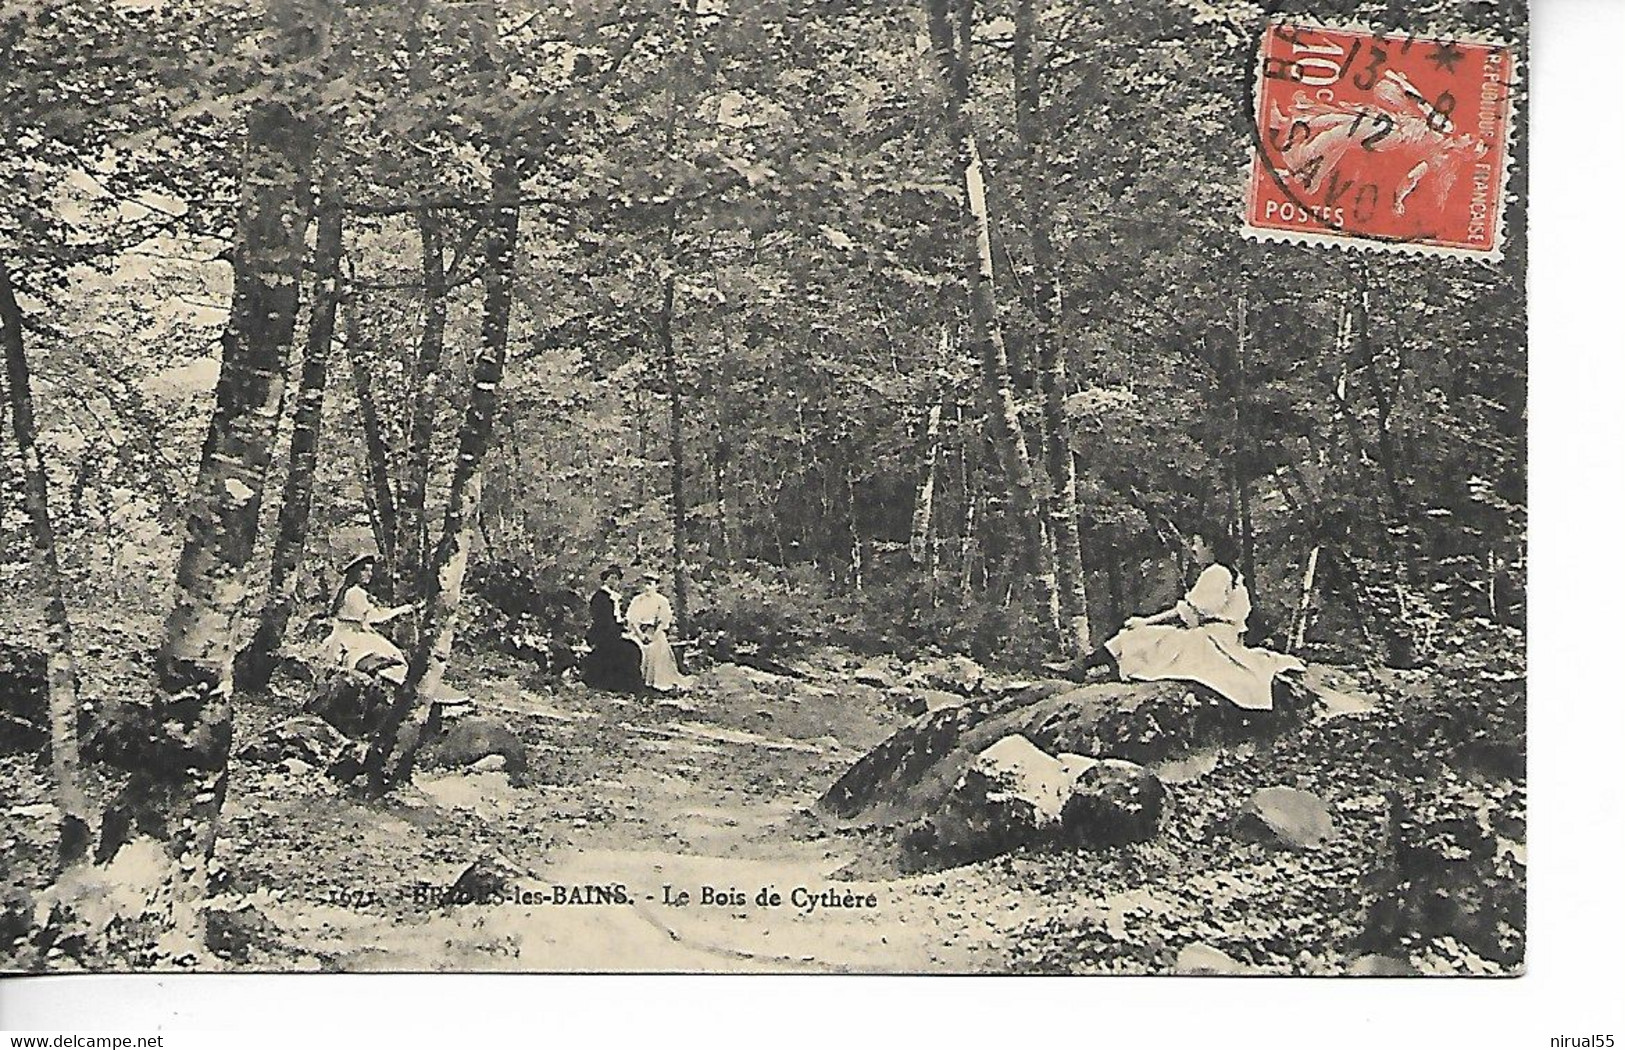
x,y
1285,816
928,749
949,674
304,738
1112,802
1014,794
352,702
908,775
906,781
468,740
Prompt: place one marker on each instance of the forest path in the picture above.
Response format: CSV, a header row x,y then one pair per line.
x,y
712,793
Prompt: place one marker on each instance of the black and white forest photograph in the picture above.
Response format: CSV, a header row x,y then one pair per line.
x,y
1021,487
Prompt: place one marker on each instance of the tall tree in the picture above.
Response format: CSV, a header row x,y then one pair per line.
x,y
1048,307
395,742
412,524
255,662
679,496
379,489
951,34
178,776
62,669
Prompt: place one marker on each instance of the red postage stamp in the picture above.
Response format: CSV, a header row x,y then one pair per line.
x,y
1367,139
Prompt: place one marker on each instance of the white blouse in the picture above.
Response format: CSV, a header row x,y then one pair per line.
x,y
1219,595
649,607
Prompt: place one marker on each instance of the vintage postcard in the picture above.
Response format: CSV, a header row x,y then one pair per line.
x,y
950,487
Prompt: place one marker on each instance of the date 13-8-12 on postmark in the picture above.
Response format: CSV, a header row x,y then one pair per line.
x,y
1369,139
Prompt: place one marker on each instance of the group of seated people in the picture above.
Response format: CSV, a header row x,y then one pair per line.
x,y
1198,639
629,640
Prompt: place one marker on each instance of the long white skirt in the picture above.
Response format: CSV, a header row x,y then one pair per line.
x,y
348,645
660,663
1211,654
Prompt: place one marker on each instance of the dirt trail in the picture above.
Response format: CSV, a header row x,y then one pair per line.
x,y
639,800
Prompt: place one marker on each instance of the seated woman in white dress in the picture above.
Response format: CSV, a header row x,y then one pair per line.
x,y
1199,638
355,641
649,620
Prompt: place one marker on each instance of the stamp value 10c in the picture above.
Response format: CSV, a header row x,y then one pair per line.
x,y
1366,139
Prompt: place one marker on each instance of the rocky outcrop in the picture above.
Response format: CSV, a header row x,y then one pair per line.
x,y
1283,816
303,738
909,774
467,741
1013,794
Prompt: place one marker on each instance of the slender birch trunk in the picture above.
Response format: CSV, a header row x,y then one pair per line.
x,y
1300,622
61,668
924,507
395,743
1010,443
413,534
1062,492
855,570
254,664
379,489
679,500
719,463
175,791
451,577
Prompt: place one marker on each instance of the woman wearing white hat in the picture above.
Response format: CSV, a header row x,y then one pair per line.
x,y
355,641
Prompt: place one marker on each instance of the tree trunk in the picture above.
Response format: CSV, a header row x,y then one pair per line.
x,y
1062,491
450,577
394,744
380,492
176,789
719,463
919,547
679,503
412,538
1404,526
61,669
1114,583
1241,455
855,571
1010,444
254,664
1300,622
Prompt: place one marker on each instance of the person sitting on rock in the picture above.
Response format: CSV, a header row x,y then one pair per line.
x,y
355,642
614,660
1199,639
649,616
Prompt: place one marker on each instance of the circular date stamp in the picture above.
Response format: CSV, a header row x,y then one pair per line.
x,y
1366,139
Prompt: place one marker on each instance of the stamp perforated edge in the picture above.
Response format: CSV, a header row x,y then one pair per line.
x,y
1504,197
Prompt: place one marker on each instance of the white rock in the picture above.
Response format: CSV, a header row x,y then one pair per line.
x,y
1199,958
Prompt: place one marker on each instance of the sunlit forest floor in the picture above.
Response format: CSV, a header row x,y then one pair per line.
x,y
718,788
